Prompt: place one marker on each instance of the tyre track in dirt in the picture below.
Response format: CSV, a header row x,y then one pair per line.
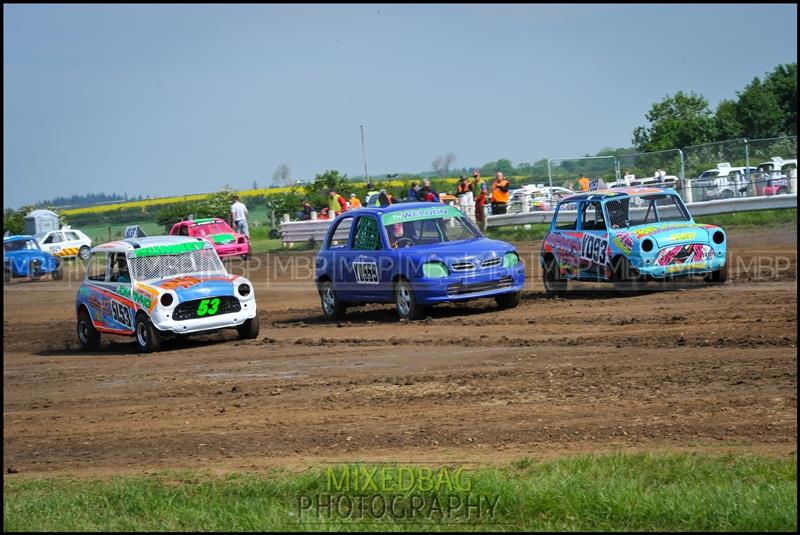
x,y
695,368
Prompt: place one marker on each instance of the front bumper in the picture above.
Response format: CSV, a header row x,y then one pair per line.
x,y
163,321
699,267
463,287
232,250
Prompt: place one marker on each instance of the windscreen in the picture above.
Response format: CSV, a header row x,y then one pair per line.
x,y
207,229
20,245
201,261
645,209
426,226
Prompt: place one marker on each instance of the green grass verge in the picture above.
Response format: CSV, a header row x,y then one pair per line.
x,y
763,218
647,492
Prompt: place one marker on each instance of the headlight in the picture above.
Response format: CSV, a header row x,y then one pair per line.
x,y
647,245
510,259
166,299
434,270
244,289
719,237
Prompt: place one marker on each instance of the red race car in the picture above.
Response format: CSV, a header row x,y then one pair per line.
x,y
226,241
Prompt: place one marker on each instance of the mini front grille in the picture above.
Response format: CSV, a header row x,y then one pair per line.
x,y
462,266
492,262
461,289
189,309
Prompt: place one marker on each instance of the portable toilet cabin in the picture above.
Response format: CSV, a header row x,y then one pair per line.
x,y
41,221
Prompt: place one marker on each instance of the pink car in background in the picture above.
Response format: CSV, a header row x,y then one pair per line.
x,y
226,241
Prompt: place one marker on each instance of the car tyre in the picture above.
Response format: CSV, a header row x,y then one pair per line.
x,y
332,307
510,300
245,256
83,253
718,276
58,274
88,336
148,338
406,301
6,275
249,329
627,281
554,284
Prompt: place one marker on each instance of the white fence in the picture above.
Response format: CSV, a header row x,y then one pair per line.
x,y
721,206
303,231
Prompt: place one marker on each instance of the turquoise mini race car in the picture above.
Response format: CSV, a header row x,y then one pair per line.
x,y
628,236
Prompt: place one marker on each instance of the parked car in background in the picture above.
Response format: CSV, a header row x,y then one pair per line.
x,y
667,181
22,257
225,240
65,243
153,286
724,182
773,177
537,197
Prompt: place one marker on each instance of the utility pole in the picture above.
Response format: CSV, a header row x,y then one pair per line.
x,y
364,152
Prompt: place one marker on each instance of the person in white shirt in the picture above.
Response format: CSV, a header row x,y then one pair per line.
x,y
239,217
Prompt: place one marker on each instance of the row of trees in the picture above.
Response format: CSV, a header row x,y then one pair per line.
x,y
763,109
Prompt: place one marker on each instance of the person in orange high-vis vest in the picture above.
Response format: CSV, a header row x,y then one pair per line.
x,y
500,188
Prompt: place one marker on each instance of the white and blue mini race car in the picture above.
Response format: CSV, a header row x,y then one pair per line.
x,y
153,286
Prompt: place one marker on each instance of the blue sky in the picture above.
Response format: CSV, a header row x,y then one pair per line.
x,y
162,100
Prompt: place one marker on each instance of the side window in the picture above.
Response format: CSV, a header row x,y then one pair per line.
x,y
119,268
183,230
71,236
367,236
567,216
338,238
592,216
96,267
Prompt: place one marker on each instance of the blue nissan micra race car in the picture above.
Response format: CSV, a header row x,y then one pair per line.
x,y
22,257
413,255
627,236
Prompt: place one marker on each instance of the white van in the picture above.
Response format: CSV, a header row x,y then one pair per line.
x,y
724,182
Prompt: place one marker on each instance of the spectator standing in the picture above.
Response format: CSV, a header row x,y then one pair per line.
x,y
481,192
500,188
354,201
372,195
465,197
239,217
384,199
429,194
413,192
583,182
334,204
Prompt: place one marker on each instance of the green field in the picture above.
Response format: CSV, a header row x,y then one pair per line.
x,y
647,492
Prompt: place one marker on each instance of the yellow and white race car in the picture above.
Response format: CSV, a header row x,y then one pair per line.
x,y
64,243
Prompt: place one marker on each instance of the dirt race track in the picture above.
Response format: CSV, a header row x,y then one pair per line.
x,y
694,368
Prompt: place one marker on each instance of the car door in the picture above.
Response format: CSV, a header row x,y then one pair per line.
x,y
72,243
53,243
564,240
108,297
370,272
594,240
338,258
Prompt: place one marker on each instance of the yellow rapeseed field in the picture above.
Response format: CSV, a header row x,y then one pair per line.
x,y
200,196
